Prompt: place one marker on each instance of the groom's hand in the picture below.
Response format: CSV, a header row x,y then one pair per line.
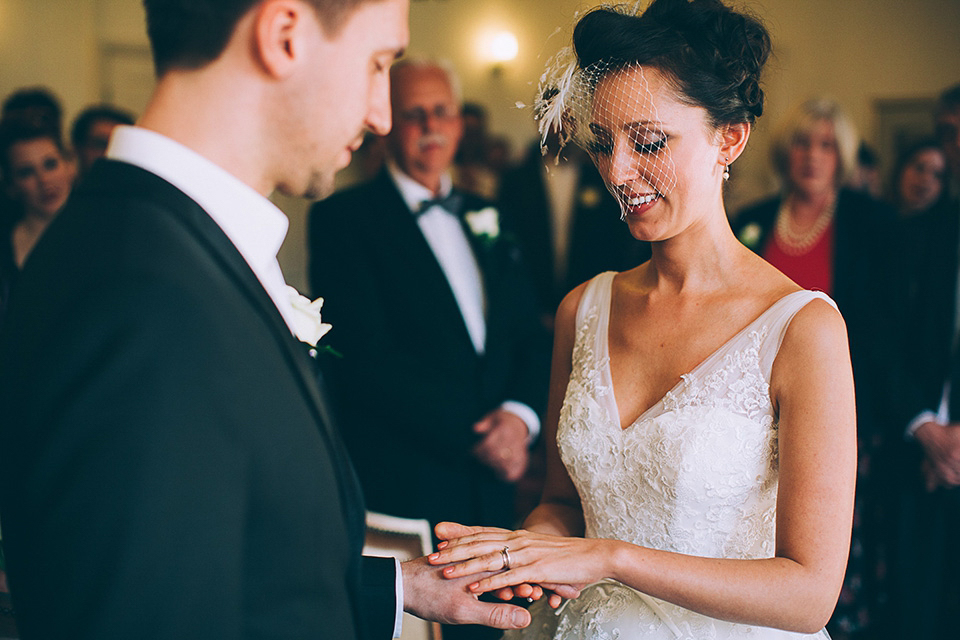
x,y
503,444
449,532
428,595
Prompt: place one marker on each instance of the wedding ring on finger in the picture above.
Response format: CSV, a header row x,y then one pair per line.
x,y
505,555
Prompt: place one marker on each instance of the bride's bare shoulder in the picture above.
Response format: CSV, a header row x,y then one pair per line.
x,y
766,282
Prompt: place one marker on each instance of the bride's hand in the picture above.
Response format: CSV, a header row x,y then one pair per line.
x,y
561,564
447,531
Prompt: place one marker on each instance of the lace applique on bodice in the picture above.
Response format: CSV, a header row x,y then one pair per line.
x,y
694,474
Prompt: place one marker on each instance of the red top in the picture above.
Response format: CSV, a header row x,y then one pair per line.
x,y
812,269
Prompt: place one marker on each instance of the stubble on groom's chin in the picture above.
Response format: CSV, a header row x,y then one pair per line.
x,y
318,186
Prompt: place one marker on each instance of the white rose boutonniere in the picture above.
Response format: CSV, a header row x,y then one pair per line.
x,y
306,318
484,224
750,235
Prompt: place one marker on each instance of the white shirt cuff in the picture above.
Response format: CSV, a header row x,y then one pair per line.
x,y
525,413
923,418
398,613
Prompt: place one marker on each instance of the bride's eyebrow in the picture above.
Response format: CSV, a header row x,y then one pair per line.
x,y
599,129
644,125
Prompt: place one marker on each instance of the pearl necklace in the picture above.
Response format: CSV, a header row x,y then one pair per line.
x,y
796,244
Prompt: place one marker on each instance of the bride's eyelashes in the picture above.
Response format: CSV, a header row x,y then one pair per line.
x,y
643,142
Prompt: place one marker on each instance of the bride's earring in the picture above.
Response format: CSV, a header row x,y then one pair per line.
x,y
726,169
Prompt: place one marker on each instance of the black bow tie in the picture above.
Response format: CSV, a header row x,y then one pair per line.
x,y
451,202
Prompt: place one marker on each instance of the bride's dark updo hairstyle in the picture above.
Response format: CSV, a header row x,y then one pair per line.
x,y
711,54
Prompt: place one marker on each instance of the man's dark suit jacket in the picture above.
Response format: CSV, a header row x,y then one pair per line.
x,y
410,384
924,557
168,469
928,298
599,240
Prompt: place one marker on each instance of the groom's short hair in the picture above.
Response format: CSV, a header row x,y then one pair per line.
x,y
188,34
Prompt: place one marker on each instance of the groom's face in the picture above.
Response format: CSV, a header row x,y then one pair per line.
x,y
342,91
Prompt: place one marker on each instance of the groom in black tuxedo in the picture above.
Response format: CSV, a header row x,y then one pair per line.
x,y
444,368
169,467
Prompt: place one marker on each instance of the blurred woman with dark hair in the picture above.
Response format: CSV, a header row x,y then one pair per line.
x,y
37,175
918,182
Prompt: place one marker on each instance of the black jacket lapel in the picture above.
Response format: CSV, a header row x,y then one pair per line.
x,y
416,267
138,181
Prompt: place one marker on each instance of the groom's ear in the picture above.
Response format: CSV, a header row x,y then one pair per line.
x,y
280,28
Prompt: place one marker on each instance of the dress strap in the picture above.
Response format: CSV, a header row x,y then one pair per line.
x,y
777,320
596,296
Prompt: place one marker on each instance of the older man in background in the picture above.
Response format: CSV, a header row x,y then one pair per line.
x,y
444,366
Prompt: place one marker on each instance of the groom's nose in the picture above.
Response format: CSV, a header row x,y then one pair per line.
x,y
379,119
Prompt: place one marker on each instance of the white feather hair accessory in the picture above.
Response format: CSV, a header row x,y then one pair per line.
x,y
565,90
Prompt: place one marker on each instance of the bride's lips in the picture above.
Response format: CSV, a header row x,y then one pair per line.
x,y
637,204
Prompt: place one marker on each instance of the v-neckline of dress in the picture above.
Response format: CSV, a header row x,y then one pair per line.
x,y
605,341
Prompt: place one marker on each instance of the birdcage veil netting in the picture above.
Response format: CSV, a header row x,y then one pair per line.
x,y
608,110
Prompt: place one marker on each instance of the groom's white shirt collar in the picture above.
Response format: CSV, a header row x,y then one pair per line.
x,y
254,225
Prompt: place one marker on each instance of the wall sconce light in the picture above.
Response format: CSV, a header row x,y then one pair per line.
x,y
501,47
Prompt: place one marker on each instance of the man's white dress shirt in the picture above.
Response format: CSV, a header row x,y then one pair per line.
x,y
449,243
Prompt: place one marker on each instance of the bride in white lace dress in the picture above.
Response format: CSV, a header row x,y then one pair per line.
x,y
701,430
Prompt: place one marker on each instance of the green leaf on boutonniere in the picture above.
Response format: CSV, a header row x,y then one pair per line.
x,y
325,349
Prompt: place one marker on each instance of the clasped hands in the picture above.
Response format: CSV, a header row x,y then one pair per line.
x,y
503,444
520,563
941,444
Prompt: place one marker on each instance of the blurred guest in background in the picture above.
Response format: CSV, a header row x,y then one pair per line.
x,y
830,238
37,104
481,156
91,131
433,314
926,570
866,173
37,175
431,307
919,179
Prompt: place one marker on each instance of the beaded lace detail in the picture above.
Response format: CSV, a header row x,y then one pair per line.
x,y
694,474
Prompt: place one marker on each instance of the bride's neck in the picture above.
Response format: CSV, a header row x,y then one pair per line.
x,y
692,265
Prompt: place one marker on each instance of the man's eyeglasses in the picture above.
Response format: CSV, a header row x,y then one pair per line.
x,y
419,115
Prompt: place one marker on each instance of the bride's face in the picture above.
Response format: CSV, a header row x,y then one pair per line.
x,y
659,157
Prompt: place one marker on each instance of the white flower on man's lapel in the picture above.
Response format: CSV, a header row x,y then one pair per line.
x,y
485,223
306,317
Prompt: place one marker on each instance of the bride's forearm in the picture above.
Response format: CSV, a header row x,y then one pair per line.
x,y
557,518
774,592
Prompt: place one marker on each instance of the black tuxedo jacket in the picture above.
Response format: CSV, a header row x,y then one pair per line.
x,y
599,241
168,466
410,384
927,304
924,559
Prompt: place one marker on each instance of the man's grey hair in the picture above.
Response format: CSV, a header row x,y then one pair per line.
x,y
426,62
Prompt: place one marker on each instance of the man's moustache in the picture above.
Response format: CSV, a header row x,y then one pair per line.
x,y
432,139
